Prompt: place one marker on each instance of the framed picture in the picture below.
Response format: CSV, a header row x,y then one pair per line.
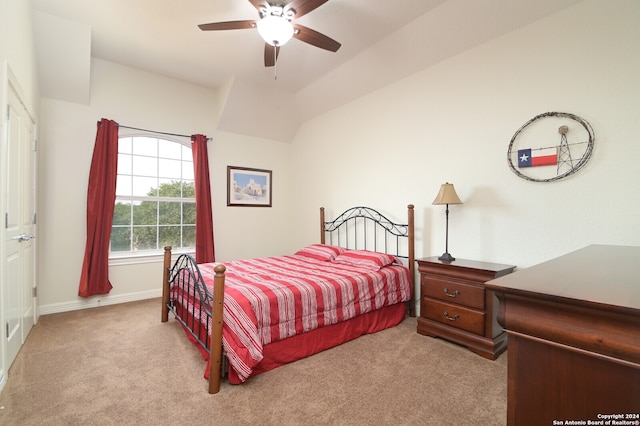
x,y
248,187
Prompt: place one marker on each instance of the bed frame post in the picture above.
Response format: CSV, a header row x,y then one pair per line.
x,y
217,310
412,255
321,225
165,284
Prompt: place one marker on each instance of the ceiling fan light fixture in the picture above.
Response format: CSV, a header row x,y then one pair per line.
x,y
275,29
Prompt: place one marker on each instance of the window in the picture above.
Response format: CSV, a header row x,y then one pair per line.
x,y
155,197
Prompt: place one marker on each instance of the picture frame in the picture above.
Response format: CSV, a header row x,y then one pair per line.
x,y
247,187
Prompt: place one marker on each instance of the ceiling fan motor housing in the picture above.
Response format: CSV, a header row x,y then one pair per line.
x,y
273,10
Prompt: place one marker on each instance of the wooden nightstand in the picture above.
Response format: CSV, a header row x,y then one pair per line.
x,y
455,305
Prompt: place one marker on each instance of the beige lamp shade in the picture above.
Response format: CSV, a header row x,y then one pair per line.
x,y
447,195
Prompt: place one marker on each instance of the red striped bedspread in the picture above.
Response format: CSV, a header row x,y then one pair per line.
x,y
270,299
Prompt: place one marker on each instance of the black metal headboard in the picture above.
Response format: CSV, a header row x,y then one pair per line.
x,y
364,228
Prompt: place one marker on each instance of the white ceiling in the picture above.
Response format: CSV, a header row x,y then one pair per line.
x,y
382,41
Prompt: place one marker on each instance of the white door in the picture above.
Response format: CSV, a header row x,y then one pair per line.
x,y
19,292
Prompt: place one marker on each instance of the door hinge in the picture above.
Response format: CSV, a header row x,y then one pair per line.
x,y
8,111
6,220
34,145
34,220
7,330
35,291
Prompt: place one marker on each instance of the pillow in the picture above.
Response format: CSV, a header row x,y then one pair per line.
x,y
322,252
365,259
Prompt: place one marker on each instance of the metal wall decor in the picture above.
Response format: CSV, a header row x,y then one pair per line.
x,y
550,146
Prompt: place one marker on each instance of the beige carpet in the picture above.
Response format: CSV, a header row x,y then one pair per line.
x,y
119,365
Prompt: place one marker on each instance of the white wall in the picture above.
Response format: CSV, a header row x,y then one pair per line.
x,y
17,48
143,100
244,232
453,122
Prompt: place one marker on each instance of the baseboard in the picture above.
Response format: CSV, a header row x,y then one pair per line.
x,y
97,301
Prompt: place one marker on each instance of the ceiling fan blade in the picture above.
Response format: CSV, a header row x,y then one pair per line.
x,y
302,7
315,38
270,55
258,3
229,25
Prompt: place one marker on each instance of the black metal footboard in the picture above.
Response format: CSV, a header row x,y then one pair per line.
x,y
185,294
190,300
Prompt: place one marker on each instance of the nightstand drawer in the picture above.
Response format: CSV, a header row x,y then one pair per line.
x,y
453,315
453,292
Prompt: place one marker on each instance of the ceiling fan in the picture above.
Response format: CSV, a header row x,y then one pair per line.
x,y
276,27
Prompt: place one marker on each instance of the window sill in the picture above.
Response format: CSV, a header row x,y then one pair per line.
x,y
149,257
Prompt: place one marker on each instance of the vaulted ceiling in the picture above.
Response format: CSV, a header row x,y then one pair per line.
x,y
382,41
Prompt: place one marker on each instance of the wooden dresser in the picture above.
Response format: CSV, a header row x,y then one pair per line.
x,y
455,305
574,338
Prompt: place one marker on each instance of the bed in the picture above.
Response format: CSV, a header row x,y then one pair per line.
x,y
250,316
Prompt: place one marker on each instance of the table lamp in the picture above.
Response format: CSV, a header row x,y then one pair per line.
x,y
447,195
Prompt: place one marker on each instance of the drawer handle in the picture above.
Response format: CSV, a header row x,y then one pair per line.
x,y
454,318
454,294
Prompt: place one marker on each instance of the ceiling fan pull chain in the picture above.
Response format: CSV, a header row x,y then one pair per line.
x,y
275,62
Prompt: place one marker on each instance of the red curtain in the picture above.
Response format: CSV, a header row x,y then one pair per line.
x,y
204,216
101,197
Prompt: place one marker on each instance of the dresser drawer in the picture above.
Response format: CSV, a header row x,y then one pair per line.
x,y
453,315
453,291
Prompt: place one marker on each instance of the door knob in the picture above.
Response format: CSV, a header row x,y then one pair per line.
x,y
23,237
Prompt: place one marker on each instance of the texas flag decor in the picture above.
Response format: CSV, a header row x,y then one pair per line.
x,y
537,157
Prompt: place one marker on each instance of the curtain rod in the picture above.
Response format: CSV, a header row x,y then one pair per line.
x,y
160,133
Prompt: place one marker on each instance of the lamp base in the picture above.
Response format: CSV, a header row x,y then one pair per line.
x,y
446,257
